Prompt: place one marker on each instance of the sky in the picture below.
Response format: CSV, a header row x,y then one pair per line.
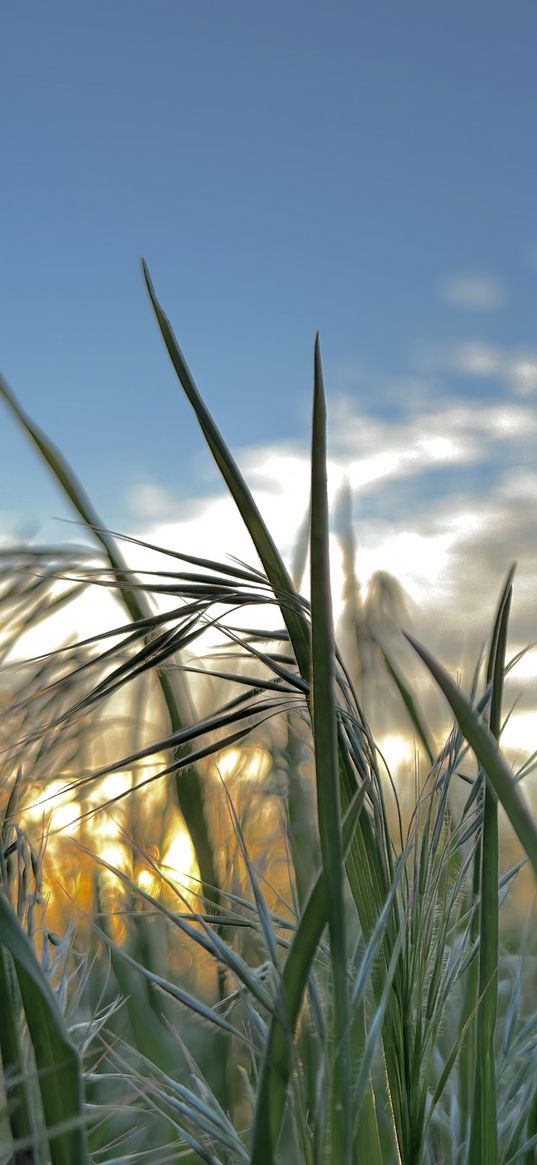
x,y
364,168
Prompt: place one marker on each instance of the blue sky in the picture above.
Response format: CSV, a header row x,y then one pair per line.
x,y
365,168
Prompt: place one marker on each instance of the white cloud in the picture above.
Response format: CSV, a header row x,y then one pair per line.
x,y
152,501
424,547
478,359
455,434
473,292
281,469
522,372
512,420
516,368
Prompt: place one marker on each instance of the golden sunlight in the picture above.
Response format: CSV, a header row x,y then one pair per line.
x,y
148,881
53,809
178,860
399,753
251,762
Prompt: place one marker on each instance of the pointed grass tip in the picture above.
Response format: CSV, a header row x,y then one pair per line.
x,y
146,275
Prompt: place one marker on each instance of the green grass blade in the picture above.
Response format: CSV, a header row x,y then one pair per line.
x,y
62,471
57,1060
324,714
410,705
272,562
362,1082
203,1010
364,1100
15,1082
484,1136
487,752
189,792
278,1059
366,865
277,574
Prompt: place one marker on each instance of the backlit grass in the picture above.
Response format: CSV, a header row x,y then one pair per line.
x,y
223,937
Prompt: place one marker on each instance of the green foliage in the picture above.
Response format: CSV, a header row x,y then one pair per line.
x,y
355,1002
56,1058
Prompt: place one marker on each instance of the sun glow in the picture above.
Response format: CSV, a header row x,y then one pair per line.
x,y
148,881
526,668
399,752
251,763
122,829
54,808
178,861
520,733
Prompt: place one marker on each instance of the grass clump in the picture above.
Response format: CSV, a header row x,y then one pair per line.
x,y
340,995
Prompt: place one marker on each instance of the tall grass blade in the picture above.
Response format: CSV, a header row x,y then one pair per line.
x,y
189,789
57,1061
278,1058
263,542
21,1119
324,714
368,859
484,1136
366,870
17,1086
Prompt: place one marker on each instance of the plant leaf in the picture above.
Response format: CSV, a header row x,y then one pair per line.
x,y
487,752
325,739
57,1060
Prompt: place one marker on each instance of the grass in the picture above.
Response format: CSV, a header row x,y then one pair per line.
x,y
340,992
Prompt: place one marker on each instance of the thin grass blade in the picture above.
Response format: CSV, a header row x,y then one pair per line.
x,y
325,738
278,1059
57,1061
190,793
410,705
484,1135
263,542
487,752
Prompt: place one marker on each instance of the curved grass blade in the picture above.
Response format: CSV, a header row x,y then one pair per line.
x,y
62,472
203,1010
190,795
270,558
57,1061
410,704
487,752
207,937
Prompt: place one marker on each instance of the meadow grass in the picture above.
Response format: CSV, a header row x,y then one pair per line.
x,y
335,986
